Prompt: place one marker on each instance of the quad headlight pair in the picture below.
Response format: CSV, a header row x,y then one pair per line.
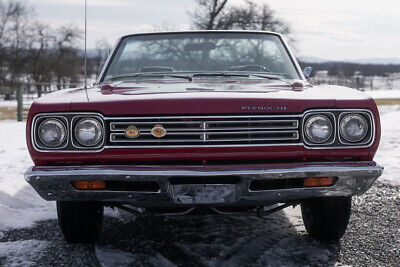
x,y
53,132
352,128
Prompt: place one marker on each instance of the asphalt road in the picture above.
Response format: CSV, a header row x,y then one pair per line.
x,y
372,239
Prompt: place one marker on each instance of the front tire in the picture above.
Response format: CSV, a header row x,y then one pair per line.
x,y
326,218
80,222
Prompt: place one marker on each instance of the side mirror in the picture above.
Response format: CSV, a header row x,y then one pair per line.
x,y
308,72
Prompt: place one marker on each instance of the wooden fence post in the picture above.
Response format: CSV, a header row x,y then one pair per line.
x,y
20,94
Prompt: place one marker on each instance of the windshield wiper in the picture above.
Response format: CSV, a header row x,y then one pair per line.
x,y
223,74
228,74
235,74
151,75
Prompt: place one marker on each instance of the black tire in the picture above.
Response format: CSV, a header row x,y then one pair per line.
x,y
80,222
326,218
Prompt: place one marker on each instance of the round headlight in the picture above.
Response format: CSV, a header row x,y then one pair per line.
x,y
88,132
52,132
318,129
353,128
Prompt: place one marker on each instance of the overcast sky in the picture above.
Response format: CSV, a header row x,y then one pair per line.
x,y
329,29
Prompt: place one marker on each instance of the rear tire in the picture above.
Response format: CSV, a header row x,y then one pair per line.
x,y
80,222
326,218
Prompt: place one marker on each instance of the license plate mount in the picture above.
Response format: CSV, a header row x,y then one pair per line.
x,y
204,193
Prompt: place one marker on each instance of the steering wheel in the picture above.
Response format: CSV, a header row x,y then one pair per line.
x,y
256,68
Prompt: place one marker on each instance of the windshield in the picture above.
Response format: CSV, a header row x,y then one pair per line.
x,y
201,53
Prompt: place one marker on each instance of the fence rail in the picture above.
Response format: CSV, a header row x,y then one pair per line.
x,y
362,83
23,93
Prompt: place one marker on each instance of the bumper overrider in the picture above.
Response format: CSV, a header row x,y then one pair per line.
x,y
172,186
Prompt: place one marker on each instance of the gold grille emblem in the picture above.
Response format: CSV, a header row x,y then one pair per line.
x,y
132,132
158,131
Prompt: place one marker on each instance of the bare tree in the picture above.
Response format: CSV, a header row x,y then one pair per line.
x,y
207,14
221,15
34,52
14,25
67,65
39,55
53,56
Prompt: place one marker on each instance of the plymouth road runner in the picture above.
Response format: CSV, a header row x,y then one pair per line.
x,y
198,122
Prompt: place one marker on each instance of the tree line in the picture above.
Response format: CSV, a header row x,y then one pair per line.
x,y
32,52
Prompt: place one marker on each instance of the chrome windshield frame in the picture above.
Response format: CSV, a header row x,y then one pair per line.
x,y
101,77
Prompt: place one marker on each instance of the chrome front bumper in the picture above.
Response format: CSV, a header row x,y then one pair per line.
x,y
54,183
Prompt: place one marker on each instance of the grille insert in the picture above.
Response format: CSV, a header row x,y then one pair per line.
x,y
207,130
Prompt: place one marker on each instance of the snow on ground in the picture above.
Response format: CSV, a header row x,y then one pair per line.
x,y
384,94
388,153
21,253
109,257
13,103
20,205
275,240
283,252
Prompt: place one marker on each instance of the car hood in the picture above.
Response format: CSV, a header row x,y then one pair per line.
x,y
203,97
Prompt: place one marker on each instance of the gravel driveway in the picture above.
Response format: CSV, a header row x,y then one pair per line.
x,y
373,239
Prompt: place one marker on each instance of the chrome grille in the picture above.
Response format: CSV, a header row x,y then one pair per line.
x,y
207,130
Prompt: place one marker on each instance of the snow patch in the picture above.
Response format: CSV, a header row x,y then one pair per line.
x,y
14,103
20,205
288,250
384,94
388,153
108,256
22,253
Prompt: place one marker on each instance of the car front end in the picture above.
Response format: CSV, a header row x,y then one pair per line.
x,y
252,166
173,142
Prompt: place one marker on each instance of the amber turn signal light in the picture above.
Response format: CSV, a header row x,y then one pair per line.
x,y
89,185
319,181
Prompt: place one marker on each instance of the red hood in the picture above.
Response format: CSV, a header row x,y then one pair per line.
x,y
205,97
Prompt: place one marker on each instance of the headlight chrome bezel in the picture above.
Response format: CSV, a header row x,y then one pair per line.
x,y
316,117
368,135
63,142
75,142
70,144
332,137
98,139
337,141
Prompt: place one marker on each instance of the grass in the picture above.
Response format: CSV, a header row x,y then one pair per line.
x,y
387,101
10,113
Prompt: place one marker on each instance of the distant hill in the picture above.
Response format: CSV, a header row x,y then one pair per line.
x,y
379,61
374,61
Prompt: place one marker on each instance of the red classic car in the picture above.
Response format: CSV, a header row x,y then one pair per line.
x,y
216,121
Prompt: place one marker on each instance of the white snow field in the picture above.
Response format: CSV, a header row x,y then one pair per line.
x,y
384,94
21,206
388,153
